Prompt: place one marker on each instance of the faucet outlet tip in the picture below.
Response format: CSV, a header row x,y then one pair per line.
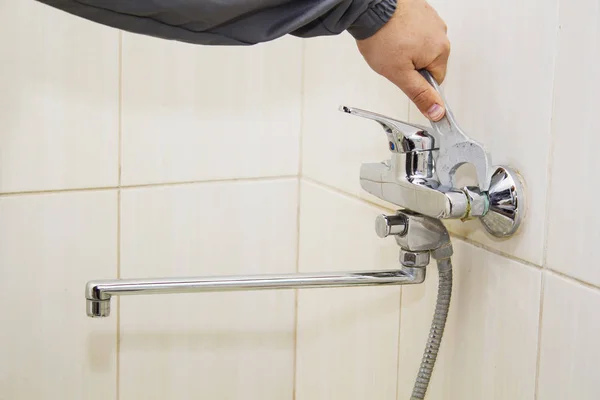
x,y
98,308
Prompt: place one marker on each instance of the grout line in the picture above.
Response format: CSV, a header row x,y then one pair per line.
x,y
552,144
348,195
398,344
150,185
55,191
120,102
120,131
572,279
495,251
548,202
296,294
222,180
295,355
302,112
118,349
539,339
298,208
118,367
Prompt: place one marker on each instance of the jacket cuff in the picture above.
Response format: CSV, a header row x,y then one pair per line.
x,y
377,15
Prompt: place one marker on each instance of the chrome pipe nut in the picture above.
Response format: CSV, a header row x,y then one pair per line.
x,y
414,258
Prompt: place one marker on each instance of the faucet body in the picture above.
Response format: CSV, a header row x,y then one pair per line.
x,y
409,179
419,175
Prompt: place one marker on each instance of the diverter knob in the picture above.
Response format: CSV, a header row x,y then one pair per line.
x,y
386,225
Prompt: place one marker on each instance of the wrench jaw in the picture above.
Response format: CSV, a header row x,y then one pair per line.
x,y
450,159
456,148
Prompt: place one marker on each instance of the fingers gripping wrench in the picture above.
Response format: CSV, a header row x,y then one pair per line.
x,y
456,148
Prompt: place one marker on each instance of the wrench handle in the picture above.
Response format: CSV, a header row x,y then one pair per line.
x,y
447,125
429,78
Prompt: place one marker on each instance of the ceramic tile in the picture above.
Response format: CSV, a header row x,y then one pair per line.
x,y
50,246
489,346
204,113
346,336
574,213
570,349
336,144
236,345
500,86
59,102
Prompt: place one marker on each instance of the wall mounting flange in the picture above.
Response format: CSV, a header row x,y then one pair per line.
x,y
507,203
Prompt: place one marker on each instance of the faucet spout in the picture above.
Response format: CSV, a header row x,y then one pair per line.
x,y
99,293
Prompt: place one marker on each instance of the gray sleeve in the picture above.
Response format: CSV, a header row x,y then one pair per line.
x,y
234,22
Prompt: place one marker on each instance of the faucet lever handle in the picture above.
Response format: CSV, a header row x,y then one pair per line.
x,y
402,136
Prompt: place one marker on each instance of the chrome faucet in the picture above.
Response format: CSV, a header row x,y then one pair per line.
x,y
419,176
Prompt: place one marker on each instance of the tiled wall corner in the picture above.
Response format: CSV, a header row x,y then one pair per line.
x,y
334,144
50,245
489,348
347,337
194,113
208,345
59,101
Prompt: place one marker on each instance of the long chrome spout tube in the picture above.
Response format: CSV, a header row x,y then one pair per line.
x,y
99,293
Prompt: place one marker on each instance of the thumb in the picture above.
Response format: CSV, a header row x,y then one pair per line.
x,y
420,92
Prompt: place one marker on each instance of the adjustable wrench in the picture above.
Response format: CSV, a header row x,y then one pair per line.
x,y
456,148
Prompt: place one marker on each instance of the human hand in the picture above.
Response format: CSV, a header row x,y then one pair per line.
x,y
413,39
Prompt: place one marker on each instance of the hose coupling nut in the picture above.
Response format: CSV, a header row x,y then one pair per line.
x,y
414,258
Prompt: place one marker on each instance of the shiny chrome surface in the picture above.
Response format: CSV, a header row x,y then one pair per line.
x,y
402,136
408,180
456,148
422,233
506,203
414,258
99,293
386,225
419,236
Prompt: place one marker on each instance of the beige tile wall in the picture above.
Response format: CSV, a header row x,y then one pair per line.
x,y
167,159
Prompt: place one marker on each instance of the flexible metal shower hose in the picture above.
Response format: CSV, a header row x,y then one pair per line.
x,y
437,329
